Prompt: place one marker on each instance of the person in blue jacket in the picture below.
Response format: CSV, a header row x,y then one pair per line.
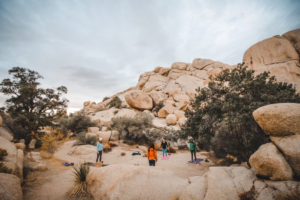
x,y
99,150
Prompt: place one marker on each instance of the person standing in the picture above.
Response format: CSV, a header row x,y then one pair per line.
x,y
164,146
99,150
152,156
193,149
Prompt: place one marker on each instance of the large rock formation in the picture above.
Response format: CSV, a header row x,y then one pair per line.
x,y
282,122
175,86
141,182
279,55
139,100
279,119
267,161
290,147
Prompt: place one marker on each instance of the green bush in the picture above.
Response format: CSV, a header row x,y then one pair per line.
x,y
115,102
158,107
133,129
75,123
82,139
221,116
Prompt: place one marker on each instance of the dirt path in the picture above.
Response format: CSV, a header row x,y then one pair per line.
x,y
54,183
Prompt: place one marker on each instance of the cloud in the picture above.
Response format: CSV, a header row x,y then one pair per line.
x,y
99,47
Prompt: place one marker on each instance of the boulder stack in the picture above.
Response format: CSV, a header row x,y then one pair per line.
x,y
279,160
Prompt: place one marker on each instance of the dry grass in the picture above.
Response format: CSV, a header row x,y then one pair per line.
x,y
106,147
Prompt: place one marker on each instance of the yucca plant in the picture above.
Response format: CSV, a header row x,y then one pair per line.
x,y
80,189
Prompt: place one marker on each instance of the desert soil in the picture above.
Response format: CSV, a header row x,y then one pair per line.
x,y
54,183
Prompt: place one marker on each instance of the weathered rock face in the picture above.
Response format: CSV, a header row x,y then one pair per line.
x,y
6,134
294,38
11,158
277,55
139,100
10,187
267,161
171,119
228,182
104,117
290,147
134,182
279,119
33,160
125,112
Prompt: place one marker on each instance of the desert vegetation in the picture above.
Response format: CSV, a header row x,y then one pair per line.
x,y
75,123
83,138
30,107
80,188
221,116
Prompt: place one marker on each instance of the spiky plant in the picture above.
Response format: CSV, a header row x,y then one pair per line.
x,y
80,189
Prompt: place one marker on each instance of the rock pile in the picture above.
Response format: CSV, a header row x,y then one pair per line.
x,y
280,159
174,87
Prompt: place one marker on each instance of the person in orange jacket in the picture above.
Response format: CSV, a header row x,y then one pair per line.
x,y
152,156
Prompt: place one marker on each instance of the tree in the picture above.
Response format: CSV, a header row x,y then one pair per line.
x,y
29,106
221,115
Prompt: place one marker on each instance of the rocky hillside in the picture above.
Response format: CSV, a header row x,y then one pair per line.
x,y
172,88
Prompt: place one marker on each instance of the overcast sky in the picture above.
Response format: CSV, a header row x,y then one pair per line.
x,y
97,48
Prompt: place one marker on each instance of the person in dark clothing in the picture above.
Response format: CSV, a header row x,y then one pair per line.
x,y
164,146
152,156
193,149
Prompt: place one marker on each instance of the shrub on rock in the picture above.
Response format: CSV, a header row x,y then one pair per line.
x,y
221,115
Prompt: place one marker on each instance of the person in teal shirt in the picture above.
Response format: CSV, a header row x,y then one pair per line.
x,y
193,149
99,150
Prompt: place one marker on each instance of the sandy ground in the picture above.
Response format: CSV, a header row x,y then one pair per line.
x,y
54,183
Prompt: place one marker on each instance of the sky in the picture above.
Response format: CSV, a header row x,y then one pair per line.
x,y
97,48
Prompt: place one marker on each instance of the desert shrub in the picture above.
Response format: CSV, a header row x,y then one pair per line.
x,y
133,129
80,188
106,147
49,141
249,195
3,153
171,150
83,138
75,123
158,107
154,134
115,102
221,115
4,169
113,144
105,98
